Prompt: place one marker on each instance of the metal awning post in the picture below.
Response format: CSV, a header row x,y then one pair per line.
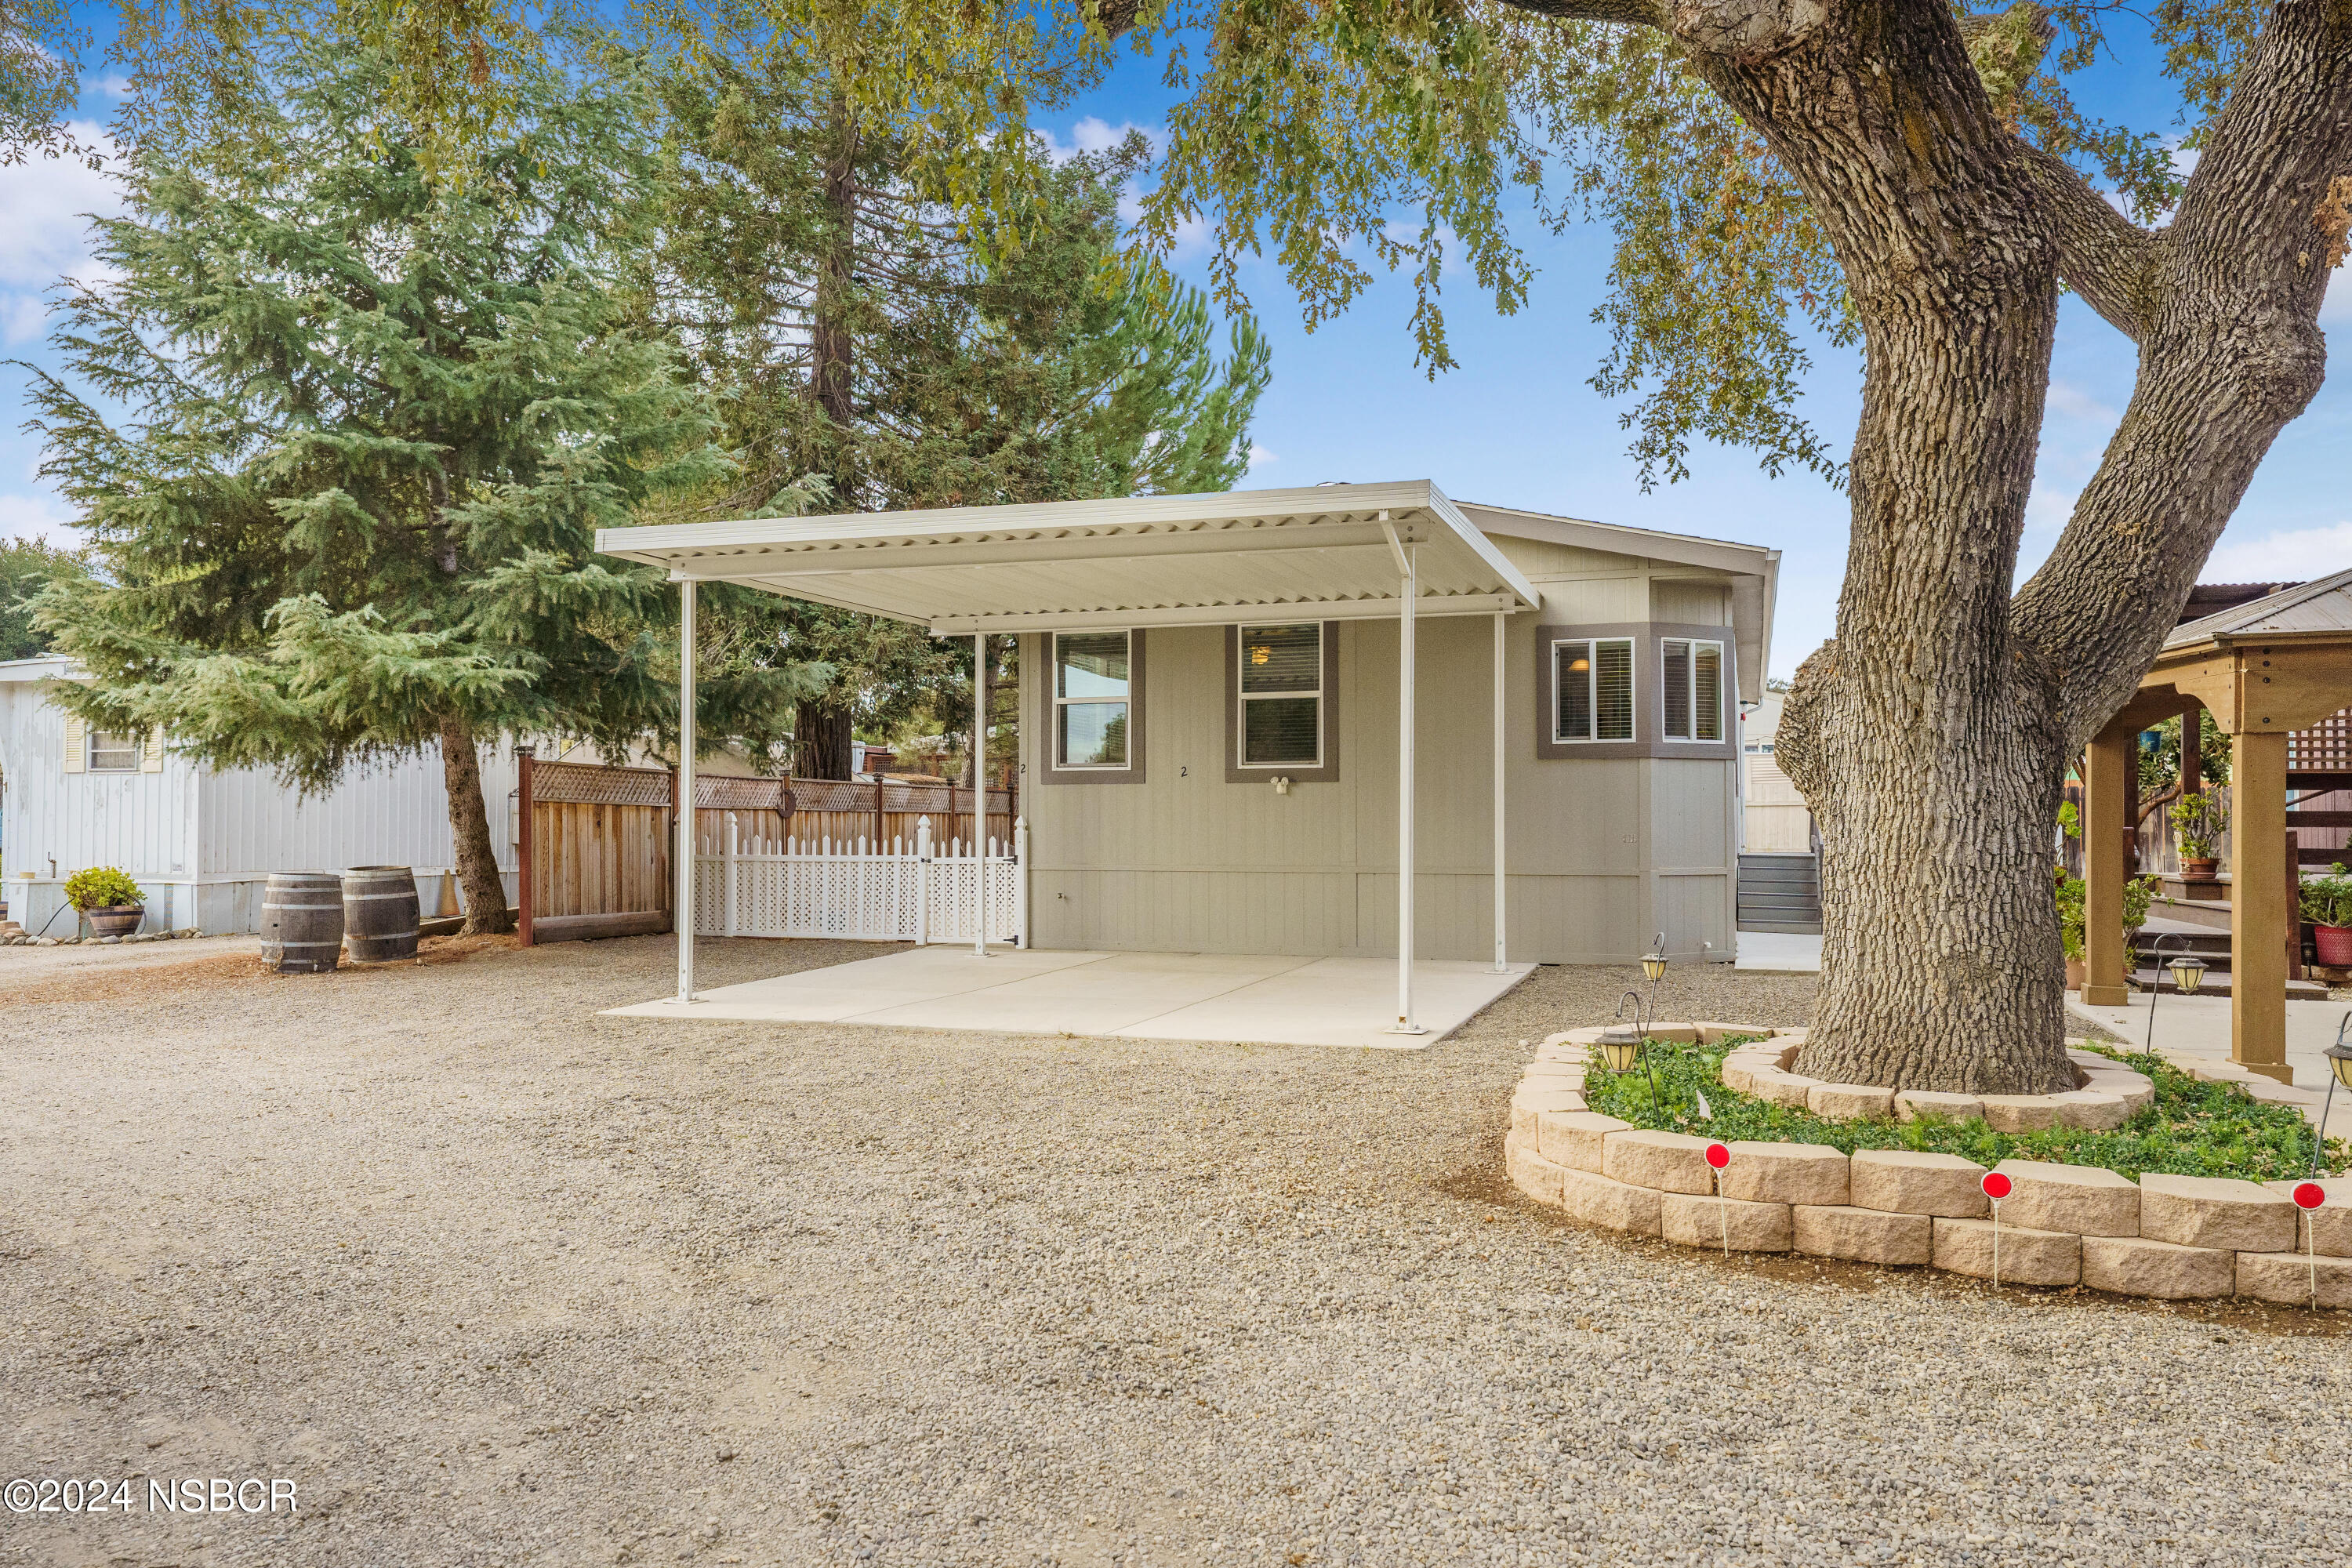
x,y
1411,560
980,794
682,915
1501,890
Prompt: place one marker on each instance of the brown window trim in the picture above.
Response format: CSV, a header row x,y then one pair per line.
x,y
1329,771
1649,693
1048,742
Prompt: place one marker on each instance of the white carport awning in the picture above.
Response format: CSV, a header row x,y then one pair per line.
x,y
1150,560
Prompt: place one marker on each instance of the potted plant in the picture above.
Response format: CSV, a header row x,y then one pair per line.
x,y
2139,892
108,899
2326,905
2198,820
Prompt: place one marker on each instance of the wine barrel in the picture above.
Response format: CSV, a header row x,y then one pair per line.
x,y
302,921
380,914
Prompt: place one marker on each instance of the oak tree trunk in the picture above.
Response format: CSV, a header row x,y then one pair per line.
x,y
1930,737
470,829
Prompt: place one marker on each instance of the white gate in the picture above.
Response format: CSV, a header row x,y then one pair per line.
x,y
860,889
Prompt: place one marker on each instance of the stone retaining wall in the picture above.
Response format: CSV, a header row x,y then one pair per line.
x,y
2175,1237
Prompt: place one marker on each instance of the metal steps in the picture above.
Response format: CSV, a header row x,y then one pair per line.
x,y
1781,893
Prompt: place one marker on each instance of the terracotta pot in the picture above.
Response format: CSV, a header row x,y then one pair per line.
x,y
2199,870
2077,971
2334,945
116,920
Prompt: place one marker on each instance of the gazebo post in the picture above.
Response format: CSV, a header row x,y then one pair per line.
x,y
2111,755
2261,902
683,915
1502,756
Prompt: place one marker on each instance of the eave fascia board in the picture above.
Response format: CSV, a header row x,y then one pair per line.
x,y
1620,539
1050,552
1369,609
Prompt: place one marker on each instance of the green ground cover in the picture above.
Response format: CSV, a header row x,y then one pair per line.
x,y
2191,1129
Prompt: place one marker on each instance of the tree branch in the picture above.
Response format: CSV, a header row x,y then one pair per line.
x,y
1632,13
2110,261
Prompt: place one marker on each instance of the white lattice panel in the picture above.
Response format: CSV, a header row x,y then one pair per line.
x,y
857,890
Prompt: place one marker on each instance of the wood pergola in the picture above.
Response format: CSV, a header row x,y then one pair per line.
x,y
2266,671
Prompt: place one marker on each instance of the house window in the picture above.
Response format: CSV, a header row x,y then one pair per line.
x,y
113,752
1692,677
1282,695
1091,699
1594,680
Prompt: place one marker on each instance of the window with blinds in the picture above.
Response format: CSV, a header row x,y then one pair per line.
x,y
1691,683
1090,699
1282,695
1593,678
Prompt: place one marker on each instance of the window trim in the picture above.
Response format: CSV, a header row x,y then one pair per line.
x,y
1592,686
1054,696
1242,699
1691,645
1037,654
1649,707
1327,714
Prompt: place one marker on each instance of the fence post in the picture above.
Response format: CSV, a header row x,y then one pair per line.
x,y
877,808
922,880
1021,881
527,846
732,874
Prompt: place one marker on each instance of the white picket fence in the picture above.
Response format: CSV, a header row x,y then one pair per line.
x,y
901,891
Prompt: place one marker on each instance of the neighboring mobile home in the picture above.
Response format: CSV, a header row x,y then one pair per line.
x,y
201,842
1212,692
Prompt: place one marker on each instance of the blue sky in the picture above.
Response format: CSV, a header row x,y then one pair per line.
x,y
1514,425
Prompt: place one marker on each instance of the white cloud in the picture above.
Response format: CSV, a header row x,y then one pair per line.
x,y
1094,134
47,235
2294,555
39,515
2073,402
2337,309
1259,458
21,318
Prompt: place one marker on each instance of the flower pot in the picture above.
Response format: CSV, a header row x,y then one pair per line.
x,y
122,919
2334,945
2199,870
2077,971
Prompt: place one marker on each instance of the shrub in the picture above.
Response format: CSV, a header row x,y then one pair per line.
x,y
2197,821
101,886
2328,901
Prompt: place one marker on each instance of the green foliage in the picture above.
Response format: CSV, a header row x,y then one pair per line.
x,y
27,566
40,80
2139,893
2198,820
2189,1129
376,420
102,887
2326,901
2159,762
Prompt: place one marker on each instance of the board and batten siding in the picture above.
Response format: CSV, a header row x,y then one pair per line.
x,y
201,843
1602,852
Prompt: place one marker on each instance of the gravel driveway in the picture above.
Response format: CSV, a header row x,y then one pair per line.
x,y
494,1280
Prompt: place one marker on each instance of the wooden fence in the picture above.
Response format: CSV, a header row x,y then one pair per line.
x,y
595,841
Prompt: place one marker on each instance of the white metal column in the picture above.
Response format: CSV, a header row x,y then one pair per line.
x,y
682,915
980,794
1405,863
1502,888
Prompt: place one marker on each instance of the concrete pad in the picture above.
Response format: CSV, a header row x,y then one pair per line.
x,y
1236,998
1902,1181
1862,1236
2085,1199
1692,1220
1779,953
2211,1210
2023,1257
2133,1266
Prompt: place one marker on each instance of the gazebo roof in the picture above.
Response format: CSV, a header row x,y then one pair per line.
x,y
1141,561
2320,607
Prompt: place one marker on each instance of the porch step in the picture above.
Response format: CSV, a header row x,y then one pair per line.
x,y
1781,893
2217,983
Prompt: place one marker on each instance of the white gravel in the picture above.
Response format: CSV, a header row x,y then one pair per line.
x,y
497,1282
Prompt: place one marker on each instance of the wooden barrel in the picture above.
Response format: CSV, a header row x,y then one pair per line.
x,y
302,921
380,914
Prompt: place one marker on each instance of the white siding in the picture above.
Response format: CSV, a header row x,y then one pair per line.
x,y
391,813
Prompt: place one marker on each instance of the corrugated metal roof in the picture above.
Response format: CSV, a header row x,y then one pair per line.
x,y
2322,605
